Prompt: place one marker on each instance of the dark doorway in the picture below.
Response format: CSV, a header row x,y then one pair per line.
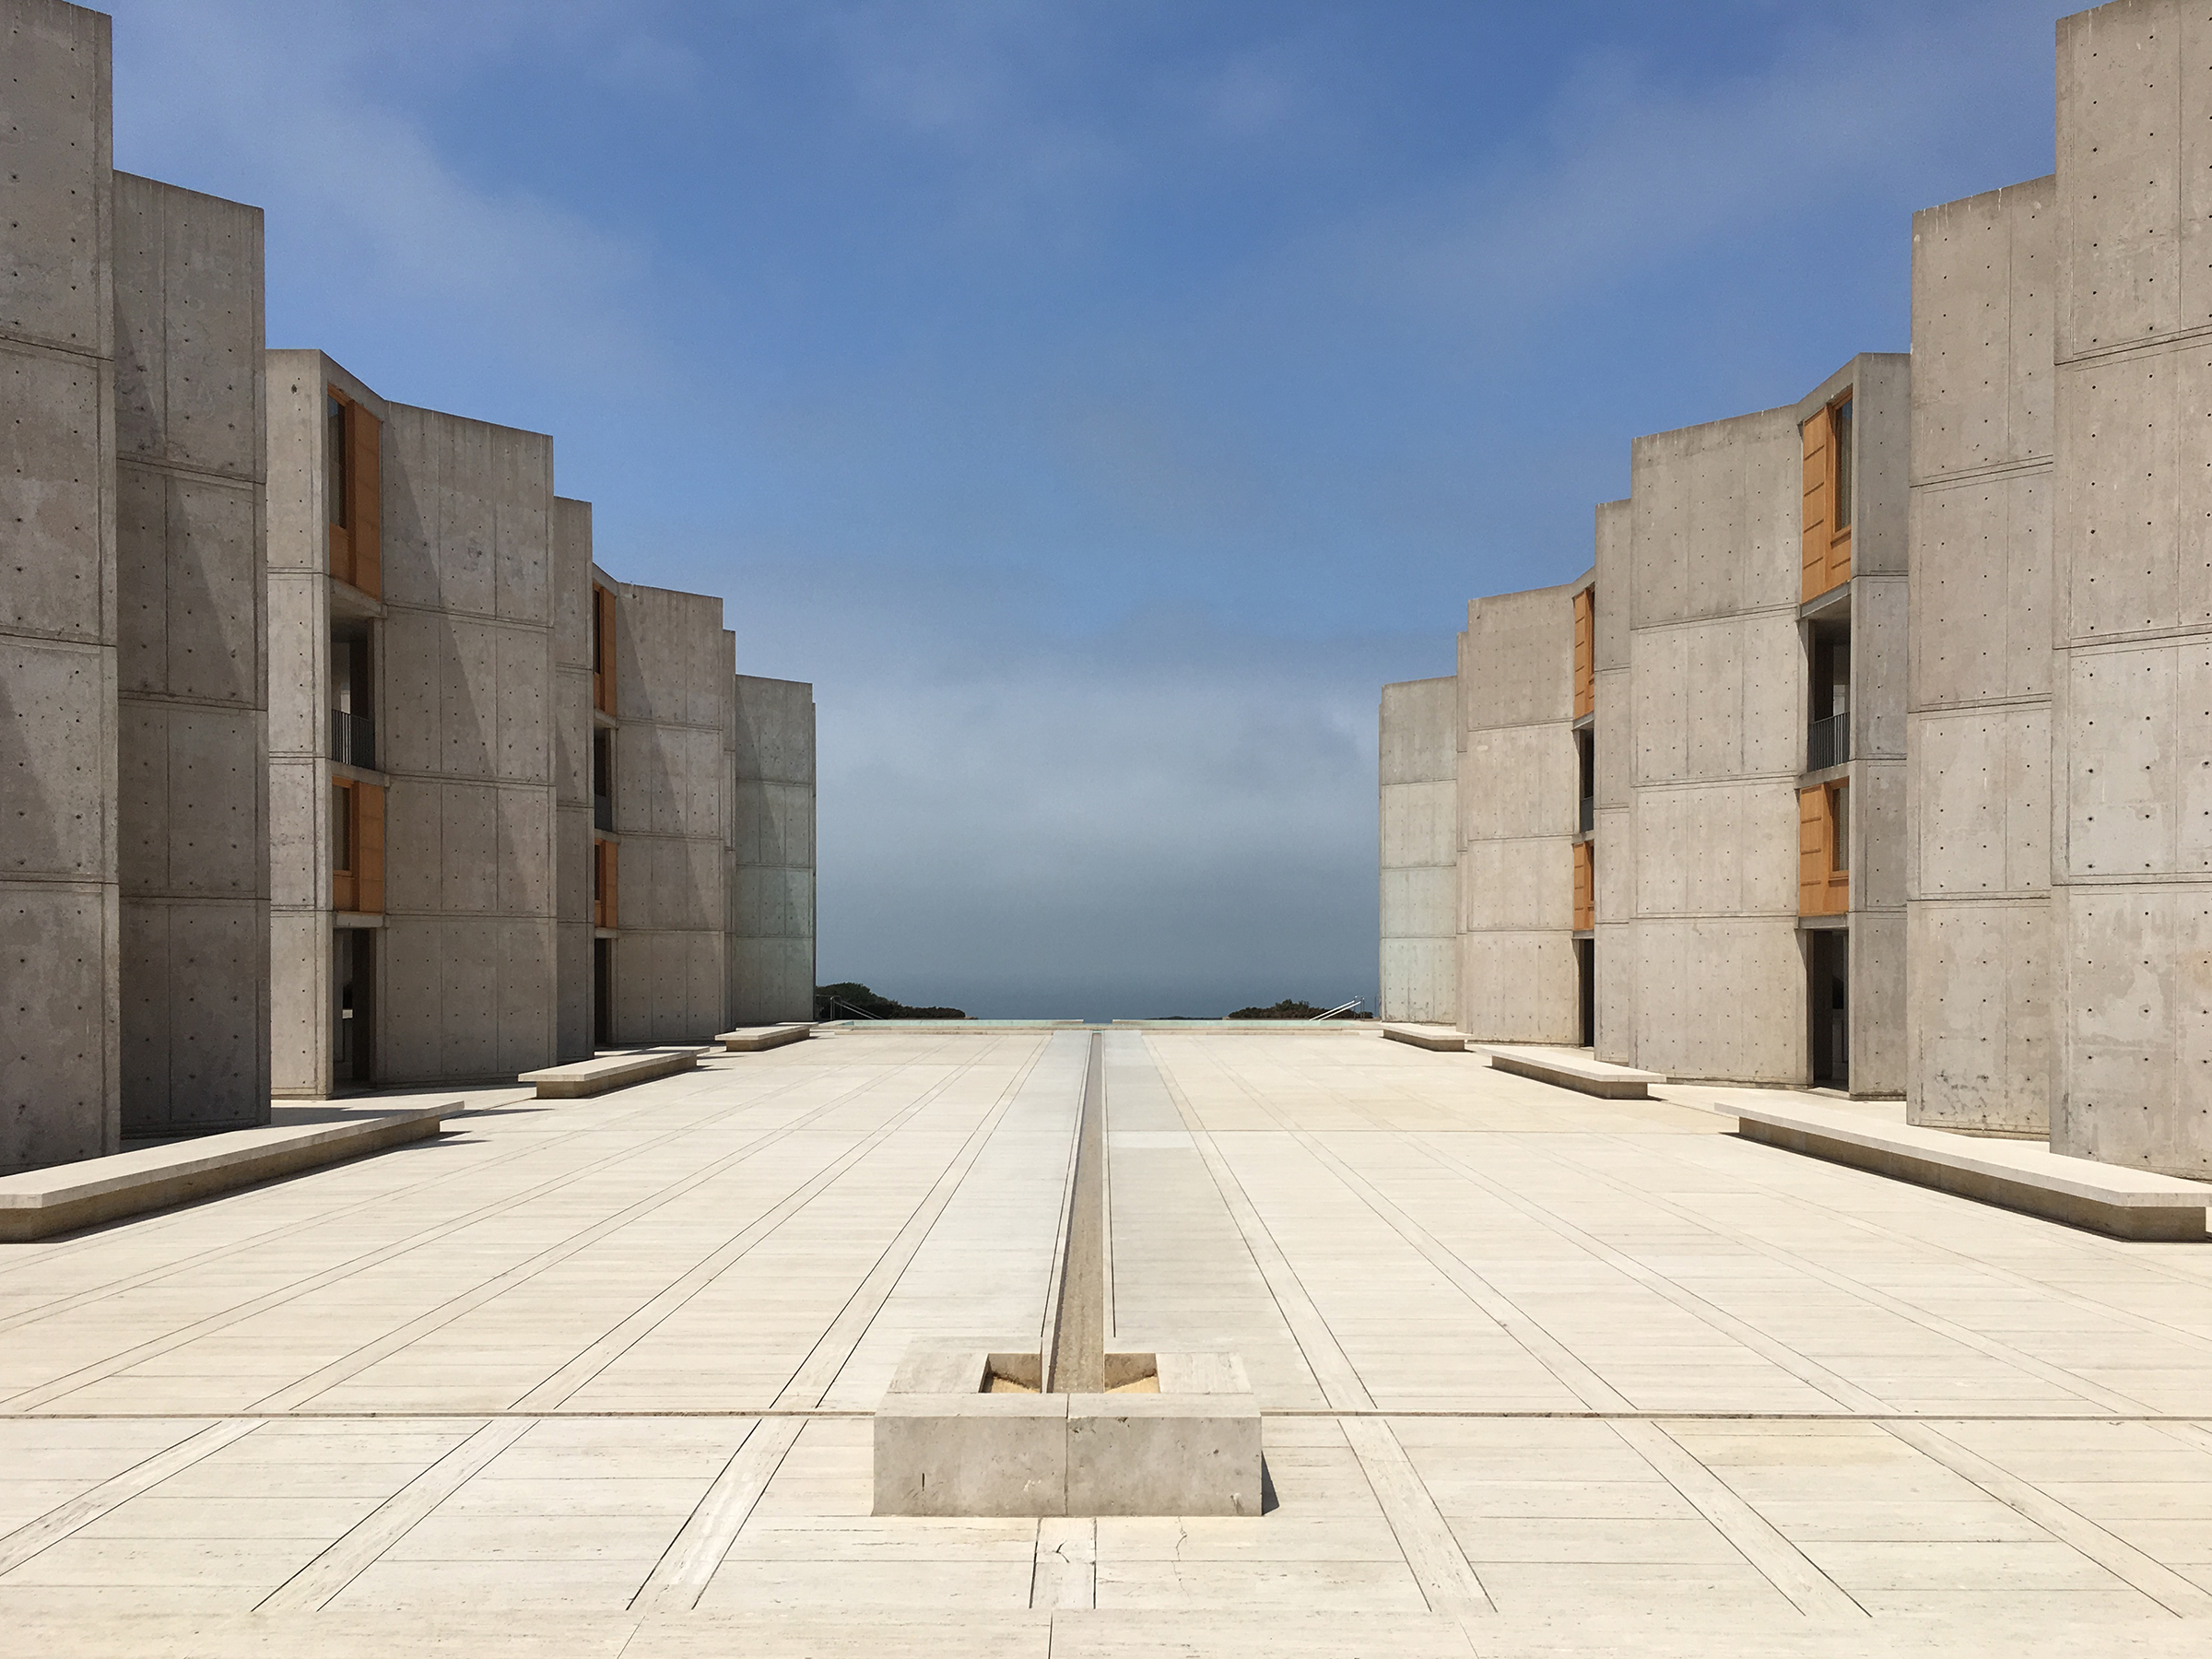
x,y
1585,968
353,975
1826,963
602,993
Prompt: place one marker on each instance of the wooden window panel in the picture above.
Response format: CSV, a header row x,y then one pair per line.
x,y
1585,661
1812,852
1585,887
368,849
604,866
1818,487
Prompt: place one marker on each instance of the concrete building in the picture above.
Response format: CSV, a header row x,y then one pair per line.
x,y
320,732
505,781
135,868
1991,752
1420,851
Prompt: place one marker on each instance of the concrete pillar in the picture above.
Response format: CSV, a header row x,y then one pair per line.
x,y
1716,710
1979,1020
1418,811
772,921
1613,841
1518,789
60,905
192,672
675,664
572,729
2132,589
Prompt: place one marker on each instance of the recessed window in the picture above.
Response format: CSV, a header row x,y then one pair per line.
x,y
1845,454
341,828
334,459
1840,829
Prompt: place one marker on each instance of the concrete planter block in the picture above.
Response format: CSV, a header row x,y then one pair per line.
x,y
945,1447
1163,1454
972,1454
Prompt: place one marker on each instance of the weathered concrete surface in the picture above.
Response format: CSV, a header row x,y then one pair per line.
x,y
1612,817
60,907
1980,1016
1572,1069
1717,730
302,603
572,725
2131,689
1418,812
467,975
672,699
578,1079
772,918
193,732
1518,789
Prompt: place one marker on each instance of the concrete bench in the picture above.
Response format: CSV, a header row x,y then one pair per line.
x,y
1570,1068
1442,1038
40,1204
752,1039
2018,1174
596,1075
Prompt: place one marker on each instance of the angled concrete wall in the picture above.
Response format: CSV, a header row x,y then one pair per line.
x,y
572,773
673,670
1613,838
771,924
192,756
2132,589
467,975
1518,789
1418,814
1980,1025
60,908
1716,714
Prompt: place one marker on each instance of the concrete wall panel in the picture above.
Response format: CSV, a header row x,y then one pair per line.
x,y
1978,1018
1980,590
58,1073
1721,998
1510,987
56,190
1982,820
1983,293
55,495
770,951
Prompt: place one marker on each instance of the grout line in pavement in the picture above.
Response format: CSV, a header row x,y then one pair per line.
x,y
61,1386
680,1577
361,1546
1446,1579
1669,1413
56,1524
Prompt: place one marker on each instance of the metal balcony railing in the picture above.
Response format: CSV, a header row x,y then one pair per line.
x,y
1589,817
1828,742
603,812
353,739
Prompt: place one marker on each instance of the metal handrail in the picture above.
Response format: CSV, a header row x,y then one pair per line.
x,y
1339,1009
1828,742
353,739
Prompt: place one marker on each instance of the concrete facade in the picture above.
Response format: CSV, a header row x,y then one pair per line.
x,y
133,741
1695,957
772,926
1517,818
1419,744
1979,965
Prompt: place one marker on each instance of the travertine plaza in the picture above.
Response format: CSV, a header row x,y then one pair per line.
x,y
390,1265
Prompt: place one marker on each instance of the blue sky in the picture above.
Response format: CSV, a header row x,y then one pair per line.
x,y
1097,402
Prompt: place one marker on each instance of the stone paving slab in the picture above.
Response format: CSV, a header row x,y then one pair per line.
x,y
1543,1374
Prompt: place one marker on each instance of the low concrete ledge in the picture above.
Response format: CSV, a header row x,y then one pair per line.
x,y
40,1204
582,1077
2020,1175
943,1446
752,1039
1442,1038
1569,1068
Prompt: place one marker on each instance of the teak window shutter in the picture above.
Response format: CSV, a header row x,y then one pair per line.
x,y
1818,485
364,490
368,849
1585,678
1586,888
1812,852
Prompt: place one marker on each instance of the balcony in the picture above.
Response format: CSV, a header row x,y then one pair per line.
x,y
353,739
1828,742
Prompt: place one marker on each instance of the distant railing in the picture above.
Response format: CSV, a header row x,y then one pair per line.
x,y
1339,1009
353,739
603,813
1589,820
1828,742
